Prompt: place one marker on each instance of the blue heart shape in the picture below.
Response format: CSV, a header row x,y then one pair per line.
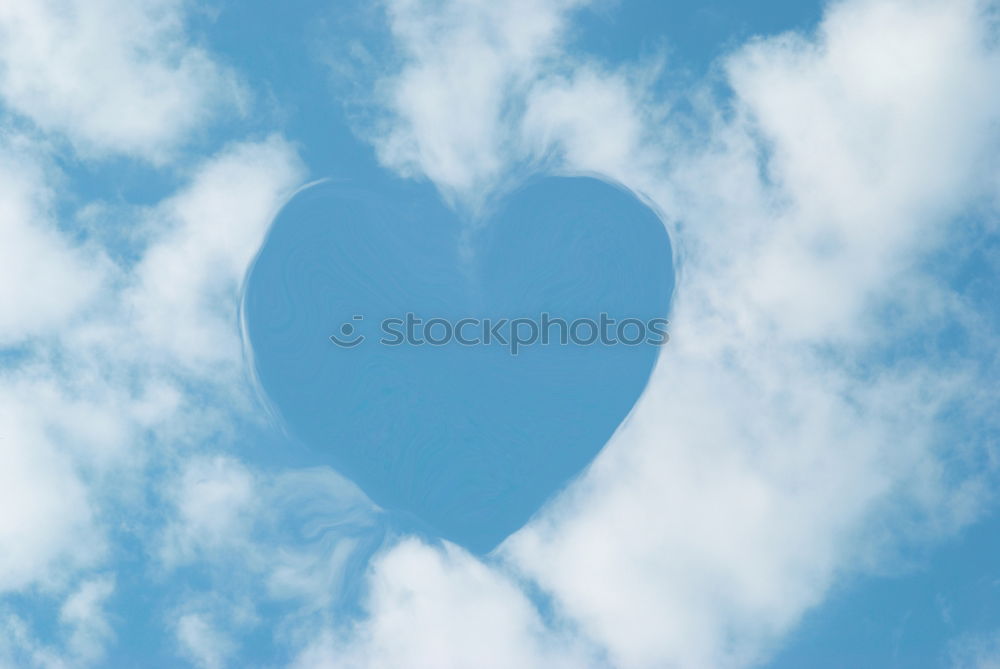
x,y
468,438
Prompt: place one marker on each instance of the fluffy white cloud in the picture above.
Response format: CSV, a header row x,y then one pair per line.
x,y
214,499
186,287
47,527
44,278
873,157
113,76
466,64
202,642
443,608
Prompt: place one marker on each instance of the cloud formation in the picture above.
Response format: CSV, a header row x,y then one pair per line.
x,y
44,278
111,76
104,396
447,112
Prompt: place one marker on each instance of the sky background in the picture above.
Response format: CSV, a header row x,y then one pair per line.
x,y
809,478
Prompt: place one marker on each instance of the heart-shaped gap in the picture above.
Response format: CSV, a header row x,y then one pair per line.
x,y
469,438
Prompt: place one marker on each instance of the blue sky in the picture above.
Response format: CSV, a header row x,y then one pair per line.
x,y
808,475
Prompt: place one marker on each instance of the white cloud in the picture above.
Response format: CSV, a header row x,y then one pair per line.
x,y
113,76
875,157
44,279
20,648
187,284
202,642
83,612
611,133
465,64
47,526
84,623
443,608
215,500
